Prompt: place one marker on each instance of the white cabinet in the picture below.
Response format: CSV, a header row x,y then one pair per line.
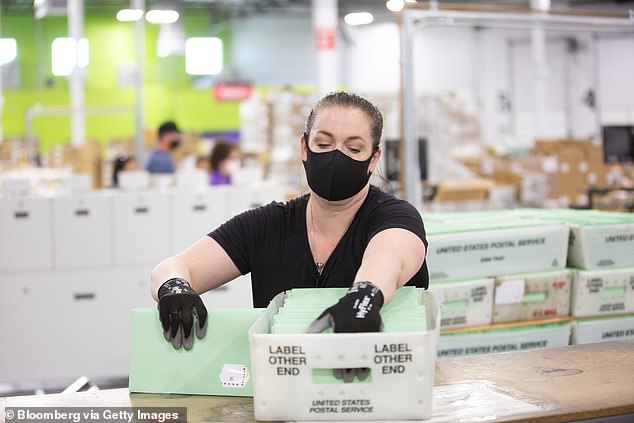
x,y
57,327
235,294
265,192
25,234
141,228
196,214
82,237
73,267
242,198
239,200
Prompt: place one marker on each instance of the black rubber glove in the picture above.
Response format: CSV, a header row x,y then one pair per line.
x,y
178,304
357,311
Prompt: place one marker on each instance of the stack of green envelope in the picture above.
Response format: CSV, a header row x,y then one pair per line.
x,y
404,313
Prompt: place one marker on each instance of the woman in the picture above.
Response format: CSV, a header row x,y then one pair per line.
x,y
223,161
344,233
122,163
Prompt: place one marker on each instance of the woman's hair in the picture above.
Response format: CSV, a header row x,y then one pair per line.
x,y
220,152
118,166
346,99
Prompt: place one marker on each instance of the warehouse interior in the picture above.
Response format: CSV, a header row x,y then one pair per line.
x,y
508,125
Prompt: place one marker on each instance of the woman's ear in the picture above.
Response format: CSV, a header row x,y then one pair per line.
x,y
303,142
375,160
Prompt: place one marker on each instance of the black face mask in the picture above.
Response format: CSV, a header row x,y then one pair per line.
x,y
174,144
335,176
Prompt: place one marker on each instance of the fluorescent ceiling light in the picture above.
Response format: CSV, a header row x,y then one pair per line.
x,y
161,16
203,56
8,50
67,54
129,15
542,5
397,5
359,18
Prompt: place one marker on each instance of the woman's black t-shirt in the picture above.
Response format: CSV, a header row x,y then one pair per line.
x,y
271,242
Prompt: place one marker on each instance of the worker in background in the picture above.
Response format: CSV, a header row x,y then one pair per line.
x,y
122,163
202,163
169,139
223,161
343,233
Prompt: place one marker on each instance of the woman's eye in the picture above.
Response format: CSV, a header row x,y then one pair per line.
x,y
322,145
354,150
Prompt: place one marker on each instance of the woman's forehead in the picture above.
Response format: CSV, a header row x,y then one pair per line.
x,y
338,120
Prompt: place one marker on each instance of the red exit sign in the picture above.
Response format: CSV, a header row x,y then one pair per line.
x,y
232,92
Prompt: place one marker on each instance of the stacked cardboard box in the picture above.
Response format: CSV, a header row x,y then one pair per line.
x,y
575,165
477,189
5,151
560,169
86,158
13,153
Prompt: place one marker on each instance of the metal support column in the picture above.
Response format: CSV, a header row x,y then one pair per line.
x,y
412,189
1,92
325,32
139,41
538,44
76,78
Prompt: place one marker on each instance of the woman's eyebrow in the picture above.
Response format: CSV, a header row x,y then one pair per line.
x,y
326,133
351,138
355,138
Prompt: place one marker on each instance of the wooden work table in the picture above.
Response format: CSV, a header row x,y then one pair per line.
x,y
570,383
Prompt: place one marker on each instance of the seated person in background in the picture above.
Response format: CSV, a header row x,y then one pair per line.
x,y
224,160
160,160
202,163
122,163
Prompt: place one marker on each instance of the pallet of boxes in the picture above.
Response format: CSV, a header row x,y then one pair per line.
x,y
556,171
510,280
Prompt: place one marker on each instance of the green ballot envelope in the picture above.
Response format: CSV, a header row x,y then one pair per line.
x,y
219,364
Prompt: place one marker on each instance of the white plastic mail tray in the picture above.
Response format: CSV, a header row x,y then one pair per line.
x,y
532,296
606,246
603,329
464,303
504,340
603,292
470,254
286,366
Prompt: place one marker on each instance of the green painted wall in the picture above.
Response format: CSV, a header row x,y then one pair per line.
x,y
169,91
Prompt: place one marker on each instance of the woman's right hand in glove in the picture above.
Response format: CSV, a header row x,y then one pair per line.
x,y
178,305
